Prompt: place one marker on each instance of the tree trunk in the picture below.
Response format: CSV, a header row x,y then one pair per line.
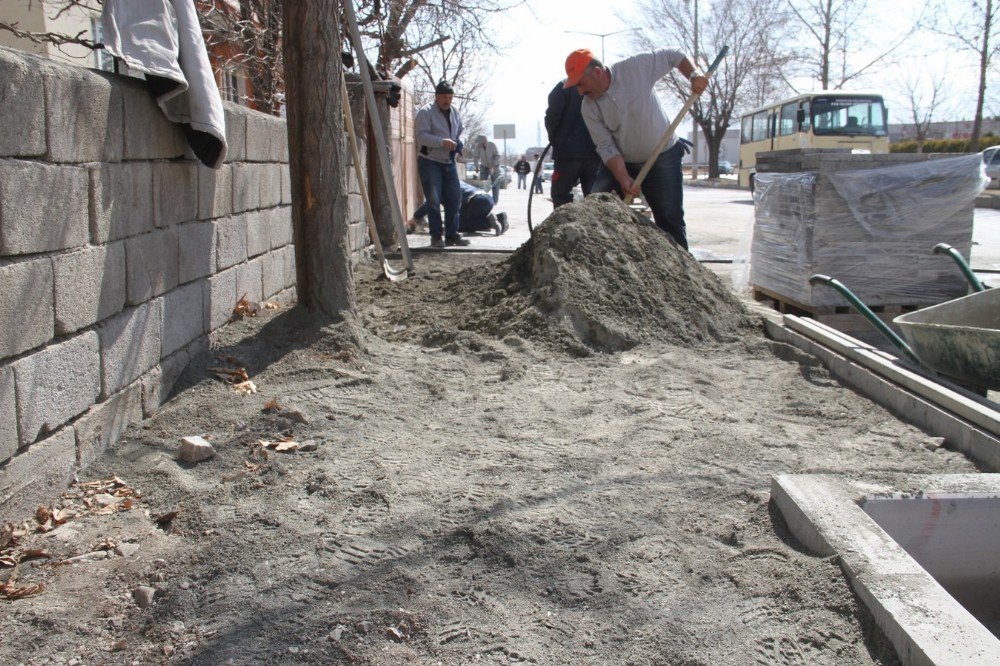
x,y
984,62
317,163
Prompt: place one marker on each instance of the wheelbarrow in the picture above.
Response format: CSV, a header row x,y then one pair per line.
x,y
959,339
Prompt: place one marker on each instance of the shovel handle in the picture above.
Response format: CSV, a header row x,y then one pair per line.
x,y
673,126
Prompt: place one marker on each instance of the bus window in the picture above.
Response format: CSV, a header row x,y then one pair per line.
x,y
759,126
788,121
849,115
746,129
806,123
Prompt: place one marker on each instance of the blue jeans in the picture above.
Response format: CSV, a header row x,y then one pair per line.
x,y
440,183
474,214
570,171
663,190
522,179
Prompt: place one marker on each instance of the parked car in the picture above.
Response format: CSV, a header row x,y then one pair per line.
x,y
547,170
991,159
726,167
505,176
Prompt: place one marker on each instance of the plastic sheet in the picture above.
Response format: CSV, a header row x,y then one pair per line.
x,y
873,229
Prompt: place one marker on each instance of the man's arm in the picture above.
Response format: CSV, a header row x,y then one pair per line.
x,y
699,82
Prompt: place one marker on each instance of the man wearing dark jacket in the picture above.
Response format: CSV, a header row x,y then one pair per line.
x,y
522,169
573,151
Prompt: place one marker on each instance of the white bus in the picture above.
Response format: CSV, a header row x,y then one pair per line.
x,y
826,119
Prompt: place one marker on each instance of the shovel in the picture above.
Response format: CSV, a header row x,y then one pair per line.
x,y
673,126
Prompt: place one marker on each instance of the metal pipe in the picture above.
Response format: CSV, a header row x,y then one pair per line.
x,y
880,325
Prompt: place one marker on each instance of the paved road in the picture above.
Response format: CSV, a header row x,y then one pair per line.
x,y
717,220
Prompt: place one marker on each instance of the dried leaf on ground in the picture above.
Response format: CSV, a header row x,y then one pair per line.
x,y
230,375
247,387
6,535
287,446
272,404
165,518
12,593
246,308
271,305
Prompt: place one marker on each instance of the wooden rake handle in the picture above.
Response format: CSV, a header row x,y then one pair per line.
x,y
673,126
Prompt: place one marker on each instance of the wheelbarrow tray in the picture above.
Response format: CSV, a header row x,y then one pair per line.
x,y
959,338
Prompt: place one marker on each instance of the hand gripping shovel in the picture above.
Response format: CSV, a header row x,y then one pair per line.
x,y
673,126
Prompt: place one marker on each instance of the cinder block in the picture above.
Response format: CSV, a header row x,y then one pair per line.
x,y
197,250
221,298
231,241
121,201
25,298
22,105
286,184
290,278
258,232
258,137
85,115
89,286
236,131
8,414
281,226
55,384
37,476
101,427
153,261
246,187
250,280
130,346
279,141
42,207
270,185
158,384
183,316
175,192
274,273
148,133
215,192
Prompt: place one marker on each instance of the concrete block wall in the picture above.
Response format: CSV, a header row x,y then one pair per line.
x,y
119,255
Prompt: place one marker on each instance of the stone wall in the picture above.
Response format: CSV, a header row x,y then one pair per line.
x,y
119,255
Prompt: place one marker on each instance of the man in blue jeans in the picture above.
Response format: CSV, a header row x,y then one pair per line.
x,y
626,121
438,129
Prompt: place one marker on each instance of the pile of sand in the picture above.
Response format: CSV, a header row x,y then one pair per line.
x,y
598,277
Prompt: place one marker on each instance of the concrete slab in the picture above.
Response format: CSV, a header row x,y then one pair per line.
x,y
925,624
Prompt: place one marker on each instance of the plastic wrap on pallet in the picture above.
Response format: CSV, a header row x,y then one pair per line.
x,y
873,229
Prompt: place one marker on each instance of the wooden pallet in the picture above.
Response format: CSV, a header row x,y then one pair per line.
x,y
841,317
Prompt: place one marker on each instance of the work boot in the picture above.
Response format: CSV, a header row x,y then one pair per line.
x,y
437,241
455,240
497,229
502,218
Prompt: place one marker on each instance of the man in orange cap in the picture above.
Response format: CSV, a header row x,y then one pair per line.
x,y
626,122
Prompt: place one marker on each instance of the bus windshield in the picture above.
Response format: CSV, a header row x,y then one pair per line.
x,y
848,116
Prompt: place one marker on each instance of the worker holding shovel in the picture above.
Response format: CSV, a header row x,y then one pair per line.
x,y
626,121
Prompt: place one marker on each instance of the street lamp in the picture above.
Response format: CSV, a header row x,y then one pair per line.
x,y
602,35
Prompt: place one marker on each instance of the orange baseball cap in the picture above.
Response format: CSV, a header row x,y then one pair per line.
x,y
576,65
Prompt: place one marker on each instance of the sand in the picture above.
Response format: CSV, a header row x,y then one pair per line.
x,y
561,456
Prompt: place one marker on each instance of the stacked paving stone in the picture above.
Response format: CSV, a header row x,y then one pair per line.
x,y
871,221
119,254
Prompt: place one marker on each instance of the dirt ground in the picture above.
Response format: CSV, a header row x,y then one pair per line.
x,y
557,457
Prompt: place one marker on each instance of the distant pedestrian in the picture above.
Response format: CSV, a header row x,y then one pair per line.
x,y
488,164
438,129
522,168
537,170
626,121
573,151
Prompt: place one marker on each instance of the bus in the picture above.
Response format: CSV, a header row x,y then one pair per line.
x,y
825,119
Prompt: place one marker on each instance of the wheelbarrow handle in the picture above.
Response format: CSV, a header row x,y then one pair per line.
x,y
880,325
944,248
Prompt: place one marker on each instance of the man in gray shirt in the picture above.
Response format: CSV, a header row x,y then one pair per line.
x,y
488,163
626,121
438,129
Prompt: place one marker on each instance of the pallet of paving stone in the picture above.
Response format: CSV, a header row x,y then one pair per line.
x,y
842,317
874,229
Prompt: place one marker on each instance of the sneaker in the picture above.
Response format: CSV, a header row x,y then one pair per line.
x,y
502,218
437,241
455,240
494,224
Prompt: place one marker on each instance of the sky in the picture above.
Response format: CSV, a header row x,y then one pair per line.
x,y
541,33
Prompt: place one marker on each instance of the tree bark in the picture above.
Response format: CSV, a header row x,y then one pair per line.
x,y
316,155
